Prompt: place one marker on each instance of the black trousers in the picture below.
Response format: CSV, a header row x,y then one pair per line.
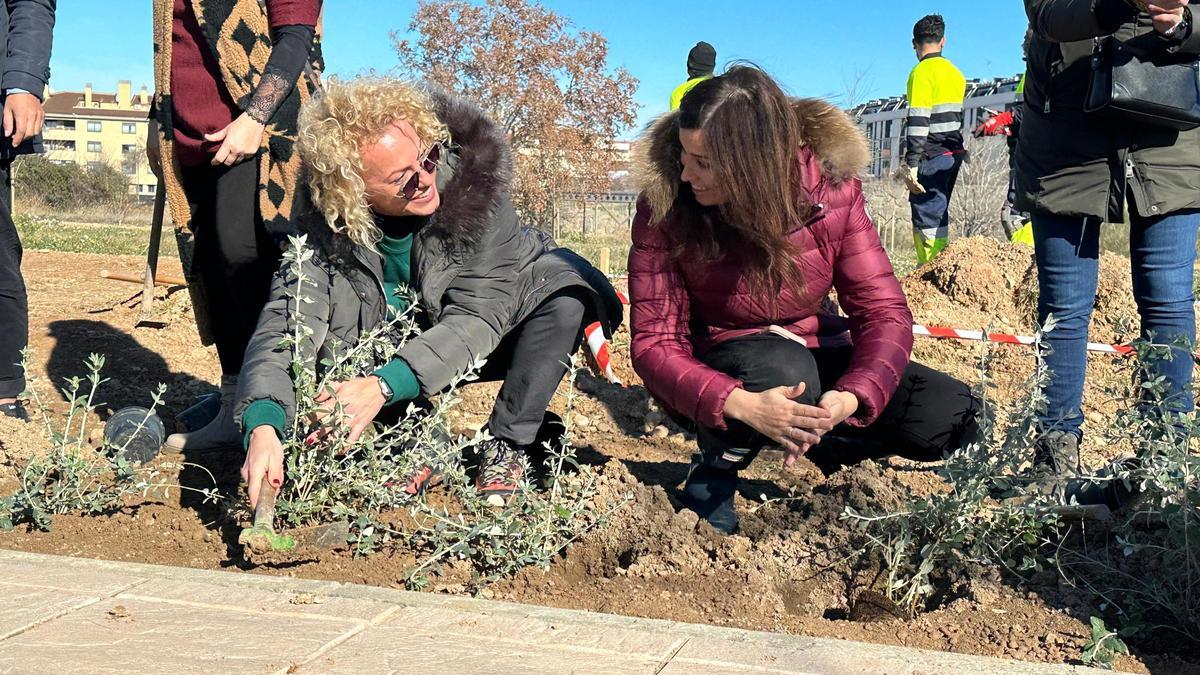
x,y
930,415
235,258
531,361
14,303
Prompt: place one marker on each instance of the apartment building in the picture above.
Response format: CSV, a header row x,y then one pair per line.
x,y
89,128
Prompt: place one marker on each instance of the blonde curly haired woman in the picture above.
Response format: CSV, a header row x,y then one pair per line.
x,y
412,189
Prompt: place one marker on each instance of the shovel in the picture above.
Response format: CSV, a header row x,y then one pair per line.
x,y
160,206
262,538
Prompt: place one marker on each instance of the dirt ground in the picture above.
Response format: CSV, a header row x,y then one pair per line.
x,y
789,570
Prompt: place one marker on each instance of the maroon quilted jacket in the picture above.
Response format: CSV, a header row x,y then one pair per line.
x,y
681,308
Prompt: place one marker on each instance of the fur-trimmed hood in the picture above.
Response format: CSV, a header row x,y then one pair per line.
x,y
476,180
830,139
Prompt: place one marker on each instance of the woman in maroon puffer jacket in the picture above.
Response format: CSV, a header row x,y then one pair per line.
x,y
750,214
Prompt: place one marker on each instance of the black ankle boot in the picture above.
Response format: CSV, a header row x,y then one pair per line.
x,y
14,410
709,492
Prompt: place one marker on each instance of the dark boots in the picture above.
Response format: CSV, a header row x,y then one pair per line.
x,y
14,410
709,492
1057,474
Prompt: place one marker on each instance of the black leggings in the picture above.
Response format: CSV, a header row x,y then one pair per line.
x,y
930,416
235,258
14,303
531,361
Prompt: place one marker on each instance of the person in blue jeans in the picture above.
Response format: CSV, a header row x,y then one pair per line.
x,y
1076,170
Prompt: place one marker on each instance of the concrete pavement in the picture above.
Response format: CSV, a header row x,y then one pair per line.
x,y
70,615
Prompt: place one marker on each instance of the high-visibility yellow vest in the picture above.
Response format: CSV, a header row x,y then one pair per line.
x,y
681,90
936,90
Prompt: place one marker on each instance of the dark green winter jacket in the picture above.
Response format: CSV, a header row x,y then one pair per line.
x,y
1074,163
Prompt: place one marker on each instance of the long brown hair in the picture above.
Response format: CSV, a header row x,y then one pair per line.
x,y
752,137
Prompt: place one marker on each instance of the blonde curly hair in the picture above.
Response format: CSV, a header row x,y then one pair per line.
x,y
333,129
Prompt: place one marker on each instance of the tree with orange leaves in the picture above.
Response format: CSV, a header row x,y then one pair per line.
x,y
547,85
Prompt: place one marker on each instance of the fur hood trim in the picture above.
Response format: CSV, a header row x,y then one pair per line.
x,y
835,142
479,172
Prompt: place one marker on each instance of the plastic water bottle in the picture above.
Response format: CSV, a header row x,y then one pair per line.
x,y
135,434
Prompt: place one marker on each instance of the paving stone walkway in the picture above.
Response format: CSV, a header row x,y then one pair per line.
x,y
69,615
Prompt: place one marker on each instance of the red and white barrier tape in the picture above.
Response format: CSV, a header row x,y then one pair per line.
x,y
1005,338
598,347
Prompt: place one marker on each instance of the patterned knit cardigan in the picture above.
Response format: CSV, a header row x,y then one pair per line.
x,y
238,33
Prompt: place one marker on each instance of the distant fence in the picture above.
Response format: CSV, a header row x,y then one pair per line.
x,y
587,215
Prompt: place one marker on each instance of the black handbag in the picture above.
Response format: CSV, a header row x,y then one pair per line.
x,y
1153,87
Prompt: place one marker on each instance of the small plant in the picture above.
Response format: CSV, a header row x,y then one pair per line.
x,y
363,482
967,524
1103,646
1146,568
71,477
531,529
1143,568
333,479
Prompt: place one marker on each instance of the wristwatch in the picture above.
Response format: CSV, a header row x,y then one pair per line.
x,y
385,388
1180,29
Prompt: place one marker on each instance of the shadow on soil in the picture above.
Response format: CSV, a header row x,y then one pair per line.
x,y
133,371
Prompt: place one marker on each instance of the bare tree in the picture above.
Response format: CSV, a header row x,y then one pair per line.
x,y
887,204
856,87
978,200
548,87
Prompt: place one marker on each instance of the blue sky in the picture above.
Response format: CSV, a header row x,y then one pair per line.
x,y
814,48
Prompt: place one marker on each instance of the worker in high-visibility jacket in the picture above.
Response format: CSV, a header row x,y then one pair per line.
x,y
701,62
934,150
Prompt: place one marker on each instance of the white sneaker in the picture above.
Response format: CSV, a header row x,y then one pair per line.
x,y
220,434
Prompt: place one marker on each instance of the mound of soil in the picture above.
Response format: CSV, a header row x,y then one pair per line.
x,y
979,282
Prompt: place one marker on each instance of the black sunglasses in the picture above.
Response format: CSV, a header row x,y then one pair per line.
x,y
429,164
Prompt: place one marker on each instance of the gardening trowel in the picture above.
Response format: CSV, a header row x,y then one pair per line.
x,y
262,538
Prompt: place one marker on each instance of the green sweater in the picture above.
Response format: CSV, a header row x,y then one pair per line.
x,y
396,251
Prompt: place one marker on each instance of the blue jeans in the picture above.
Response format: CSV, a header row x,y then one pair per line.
x,y
1162,252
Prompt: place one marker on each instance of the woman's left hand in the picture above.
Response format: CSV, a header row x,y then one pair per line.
x,y
840,404
361,400
239,141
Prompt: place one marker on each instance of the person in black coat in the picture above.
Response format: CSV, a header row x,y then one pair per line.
x,y
1077,170
25,55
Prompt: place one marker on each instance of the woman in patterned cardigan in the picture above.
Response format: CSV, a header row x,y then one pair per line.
x,y
230,77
